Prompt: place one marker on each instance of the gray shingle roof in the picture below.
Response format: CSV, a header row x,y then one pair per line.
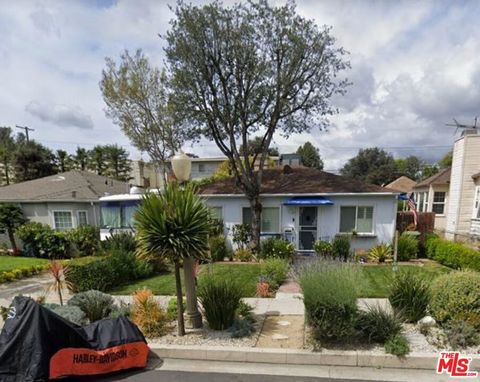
x,y
74,186
440,178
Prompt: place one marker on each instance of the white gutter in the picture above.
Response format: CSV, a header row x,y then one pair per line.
x,y
308,194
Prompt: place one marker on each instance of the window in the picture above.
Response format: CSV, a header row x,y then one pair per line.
x,y
201,167
270,218
62,220
356,218
118,214
82,218
421,198
438,205
216,213
476,208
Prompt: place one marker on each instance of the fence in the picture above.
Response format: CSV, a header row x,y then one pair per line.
x,y
425,225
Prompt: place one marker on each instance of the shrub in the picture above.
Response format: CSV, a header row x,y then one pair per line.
x,y
172,309
108,272
218,247
330,298
341,247
123,241
147,313
461,334
70,313
243,255
378,324
275,271
242,328
380,253
245,311
409,295
264,288
121,310
95,304
407,247
220,299
85,240
397,345
456,296
217,227
276,249
241,235
323,248
451,254
39,240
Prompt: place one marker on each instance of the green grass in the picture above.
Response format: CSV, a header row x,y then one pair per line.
x,y
9,263
377,278
164,284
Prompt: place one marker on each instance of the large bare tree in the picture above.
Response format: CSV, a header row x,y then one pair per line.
x,y
251,69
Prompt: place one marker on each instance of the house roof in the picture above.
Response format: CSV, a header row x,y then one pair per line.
x,y
404,184
298,180
476,176
440,178
71,186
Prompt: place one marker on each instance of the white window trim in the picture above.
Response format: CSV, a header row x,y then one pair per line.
x,y
263,207
444,202
356,217
71,215
78,217
476,203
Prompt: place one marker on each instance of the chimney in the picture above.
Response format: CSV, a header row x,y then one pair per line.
x,y
74,194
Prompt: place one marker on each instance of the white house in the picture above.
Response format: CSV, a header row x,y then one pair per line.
x,y
305,204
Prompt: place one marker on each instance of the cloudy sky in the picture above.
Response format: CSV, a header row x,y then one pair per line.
x,y
415,66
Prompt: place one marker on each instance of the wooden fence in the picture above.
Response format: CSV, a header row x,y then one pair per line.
x,y
425,224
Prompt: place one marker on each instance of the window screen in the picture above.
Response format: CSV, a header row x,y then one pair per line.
x,y
347,219
63,219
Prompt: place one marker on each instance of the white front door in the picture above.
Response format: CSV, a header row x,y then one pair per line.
x,y
307,227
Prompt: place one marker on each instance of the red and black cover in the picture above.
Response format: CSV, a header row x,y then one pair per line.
x,y
37,345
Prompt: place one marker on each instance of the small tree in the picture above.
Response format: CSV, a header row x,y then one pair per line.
x,y
11,217
310,156
173,225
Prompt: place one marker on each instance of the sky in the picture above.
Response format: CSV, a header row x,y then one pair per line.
x,y
415,65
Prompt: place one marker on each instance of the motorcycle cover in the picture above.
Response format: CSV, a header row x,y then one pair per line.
x,y
37,344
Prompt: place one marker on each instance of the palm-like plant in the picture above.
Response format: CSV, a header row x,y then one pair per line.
x,y
173,225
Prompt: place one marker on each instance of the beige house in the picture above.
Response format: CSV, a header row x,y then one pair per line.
x,y
431,195
463,215
403,184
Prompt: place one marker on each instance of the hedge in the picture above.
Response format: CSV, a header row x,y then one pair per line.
x,y
452,254
19,273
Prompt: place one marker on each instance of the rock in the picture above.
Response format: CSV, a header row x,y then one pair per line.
x,y
284,323
427,322
279,337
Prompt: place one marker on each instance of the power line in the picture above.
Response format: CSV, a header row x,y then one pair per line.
x,y
26,128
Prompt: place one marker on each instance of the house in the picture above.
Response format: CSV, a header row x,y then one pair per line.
x,y
403,184
431,195
463,215
306,204
63,201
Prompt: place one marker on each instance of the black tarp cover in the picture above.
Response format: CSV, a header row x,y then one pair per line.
x,y
37,344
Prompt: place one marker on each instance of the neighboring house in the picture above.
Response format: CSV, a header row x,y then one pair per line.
x,y
463,216
292,159
432,195
305,204
403,184
63,201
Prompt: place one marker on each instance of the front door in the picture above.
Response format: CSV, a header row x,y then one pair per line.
x,y
307,228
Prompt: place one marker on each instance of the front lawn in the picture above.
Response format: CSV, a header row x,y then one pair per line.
x,y
9,263
164,284
377,278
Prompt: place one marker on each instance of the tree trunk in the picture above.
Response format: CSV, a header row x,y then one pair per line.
x,y
5,168
178,284
256,208
11,236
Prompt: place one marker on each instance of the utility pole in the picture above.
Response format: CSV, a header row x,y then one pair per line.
x,y
26,128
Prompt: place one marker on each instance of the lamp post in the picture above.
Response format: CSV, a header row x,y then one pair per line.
x,y
182,168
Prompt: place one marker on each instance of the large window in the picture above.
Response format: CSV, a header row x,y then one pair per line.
x,y
216,213
422,201
438,205
476,207
356,218
270,218
82,218
118,214
62,220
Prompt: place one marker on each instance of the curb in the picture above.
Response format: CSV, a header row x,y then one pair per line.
x,y
426,361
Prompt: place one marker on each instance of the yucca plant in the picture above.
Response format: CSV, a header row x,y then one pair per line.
x,y
173,225
380,253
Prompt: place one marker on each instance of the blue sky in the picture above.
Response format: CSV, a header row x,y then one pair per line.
x,y
415,66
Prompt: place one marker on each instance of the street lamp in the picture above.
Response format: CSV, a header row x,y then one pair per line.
x,y
182,168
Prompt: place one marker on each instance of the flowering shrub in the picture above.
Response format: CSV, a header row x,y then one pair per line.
x,y
277,249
